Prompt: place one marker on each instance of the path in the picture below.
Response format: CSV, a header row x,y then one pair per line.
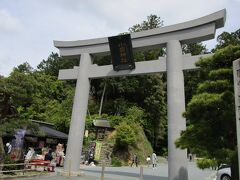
x,y
128,173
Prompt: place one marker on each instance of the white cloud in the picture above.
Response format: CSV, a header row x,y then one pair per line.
x,y
8,23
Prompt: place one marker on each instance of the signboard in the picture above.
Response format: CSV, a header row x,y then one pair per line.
x,y
51,141
86,133
98,148
121,52
31,139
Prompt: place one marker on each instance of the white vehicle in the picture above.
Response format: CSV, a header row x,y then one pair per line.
x,y
224,172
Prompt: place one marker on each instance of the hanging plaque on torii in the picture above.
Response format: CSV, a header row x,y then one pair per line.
x,y
121,52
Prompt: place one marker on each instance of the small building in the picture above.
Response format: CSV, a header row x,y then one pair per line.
x,y
50,137
23,139
103,128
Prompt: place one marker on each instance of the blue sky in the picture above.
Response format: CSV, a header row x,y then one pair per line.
x,y
28,27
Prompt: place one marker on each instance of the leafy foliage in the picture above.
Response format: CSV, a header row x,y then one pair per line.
x,y
125,135
54,63
211,112
194,49
225,39
207,163
116,162
152,21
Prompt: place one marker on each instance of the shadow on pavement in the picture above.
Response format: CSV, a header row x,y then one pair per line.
x,y
128,174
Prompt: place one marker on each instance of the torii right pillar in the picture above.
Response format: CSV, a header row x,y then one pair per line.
x,y
177,158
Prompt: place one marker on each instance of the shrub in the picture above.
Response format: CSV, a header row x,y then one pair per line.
x,y
116,162
125,135
207,163
8,160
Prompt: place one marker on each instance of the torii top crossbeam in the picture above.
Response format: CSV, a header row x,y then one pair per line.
x,y
188,32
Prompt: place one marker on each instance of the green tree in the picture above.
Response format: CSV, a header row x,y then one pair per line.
x,y
191,77
13,92
38,96
54,63
125,135
226,38
212,131
46,91
153,21
24,68
59,113
16,91
194,49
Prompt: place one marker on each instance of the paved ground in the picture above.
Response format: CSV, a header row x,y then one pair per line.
x,y
128,173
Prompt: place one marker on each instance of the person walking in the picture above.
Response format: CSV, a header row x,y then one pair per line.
x,y
190,156
134,160
154,160
148,160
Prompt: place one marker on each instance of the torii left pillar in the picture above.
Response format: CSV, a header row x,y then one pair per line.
x,y
80,104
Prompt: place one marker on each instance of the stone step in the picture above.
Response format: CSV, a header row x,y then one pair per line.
x,y
106,150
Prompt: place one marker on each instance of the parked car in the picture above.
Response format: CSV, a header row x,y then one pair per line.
x,y
224,172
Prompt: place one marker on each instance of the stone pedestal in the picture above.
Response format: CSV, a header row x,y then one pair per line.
x,y
71,173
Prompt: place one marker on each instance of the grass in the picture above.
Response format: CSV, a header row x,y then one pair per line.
x,y
25,174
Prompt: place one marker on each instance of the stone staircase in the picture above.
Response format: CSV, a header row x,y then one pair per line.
x,y
105,155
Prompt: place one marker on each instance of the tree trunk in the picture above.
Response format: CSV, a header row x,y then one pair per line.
x,y
101,103
234,167
2,153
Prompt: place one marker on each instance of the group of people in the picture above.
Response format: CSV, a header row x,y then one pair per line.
x,y
47,154
150,159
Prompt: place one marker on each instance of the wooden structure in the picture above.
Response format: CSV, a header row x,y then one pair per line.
x,y
102,128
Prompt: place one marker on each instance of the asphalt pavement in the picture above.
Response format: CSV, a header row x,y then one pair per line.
x,y
130,173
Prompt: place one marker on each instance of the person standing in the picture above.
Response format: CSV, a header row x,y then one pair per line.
x,y
154,160
48,156
134,160
8,148
29,155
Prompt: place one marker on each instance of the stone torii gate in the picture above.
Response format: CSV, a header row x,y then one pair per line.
x,y
175,62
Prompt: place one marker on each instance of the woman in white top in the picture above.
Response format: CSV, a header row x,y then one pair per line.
x,y
154,160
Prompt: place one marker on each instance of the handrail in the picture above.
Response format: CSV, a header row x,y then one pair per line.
x,y
22,164
35,163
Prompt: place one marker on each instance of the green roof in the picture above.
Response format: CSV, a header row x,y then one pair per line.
x,y
101,123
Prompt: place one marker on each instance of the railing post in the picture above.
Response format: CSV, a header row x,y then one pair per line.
x,y
103,169
69,169
141,173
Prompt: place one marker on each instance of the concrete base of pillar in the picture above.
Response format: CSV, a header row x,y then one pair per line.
x,y
70,173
